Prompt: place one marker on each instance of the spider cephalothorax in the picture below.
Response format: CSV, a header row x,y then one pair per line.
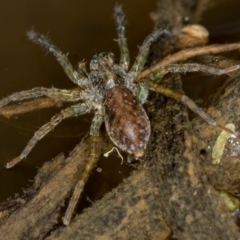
x,y
114,94
101,75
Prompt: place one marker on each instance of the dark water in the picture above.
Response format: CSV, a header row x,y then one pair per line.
x,y
76,28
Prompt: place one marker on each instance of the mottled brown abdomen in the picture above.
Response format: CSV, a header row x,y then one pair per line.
x,y
126,121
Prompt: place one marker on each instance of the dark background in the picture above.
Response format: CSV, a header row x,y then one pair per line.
x,y
79,28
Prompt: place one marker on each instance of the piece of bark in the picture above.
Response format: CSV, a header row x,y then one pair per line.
x,y
40,207
131,204
190,204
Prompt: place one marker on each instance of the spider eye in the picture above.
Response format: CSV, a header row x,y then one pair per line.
x,y
94,63
103,55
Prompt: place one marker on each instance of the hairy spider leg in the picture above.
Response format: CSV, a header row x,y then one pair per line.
x,y
122,41
75,76
186,101
143,51
73,111
142,92
60,94
189,67
157,74
93,158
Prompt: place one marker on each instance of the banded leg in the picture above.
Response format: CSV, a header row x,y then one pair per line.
x,y
72,111
190,67
76,76
141,60
61,94
143,51
186,101
93,158
122,41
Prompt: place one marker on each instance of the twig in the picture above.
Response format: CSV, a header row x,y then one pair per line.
x,y
32,105
189,53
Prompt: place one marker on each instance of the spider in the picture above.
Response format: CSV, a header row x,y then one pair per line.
x,y
114,94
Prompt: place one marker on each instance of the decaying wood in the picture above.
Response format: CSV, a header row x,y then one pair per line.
x,y
43,201
174,194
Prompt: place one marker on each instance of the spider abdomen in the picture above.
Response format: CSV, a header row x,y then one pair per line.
x,y
126,121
